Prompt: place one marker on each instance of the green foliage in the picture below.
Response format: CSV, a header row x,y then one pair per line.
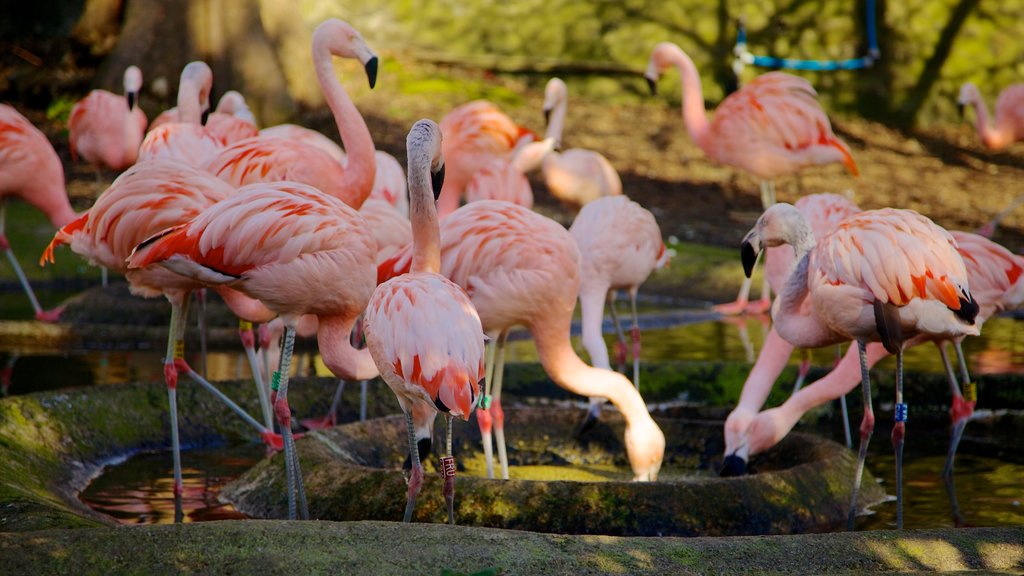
x,y
60,108
484,572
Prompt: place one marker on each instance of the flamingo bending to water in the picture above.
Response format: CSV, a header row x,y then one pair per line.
x,y
30,170
421,328
771,127
106,129
880,276
1008,125
519,267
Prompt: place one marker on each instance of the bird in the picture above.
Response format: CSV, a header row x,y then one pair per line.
x,y
886,275
771,127
144,200
296,250
620,246
500,179
422,329
263,159
30,170
389,183
1008,125
106,129
232,103
521,268
823,212
998,285
474,134
577,175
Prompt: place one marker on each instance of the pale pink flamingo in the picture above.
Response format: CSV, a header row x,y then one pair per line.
x,y
389,183
1008,125
996,282
263,159
474,134
880,276
577,175
521,268
146,199
106,129
296,250
620,245
186,140
823,212
309,136
421,328
30,170
231,103
771,127
392,231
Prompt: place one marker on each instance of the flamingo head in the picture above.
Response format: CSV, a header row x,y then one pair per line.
x,y
132,85
342,40
661,59
780,224
555,94
196,84
645,447
424,148
969,94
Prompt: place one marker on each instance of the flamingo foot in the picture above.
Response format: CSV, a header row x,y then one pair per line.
x,y
732,308
415,482
50,316
761,306
961,409
620,354
328,421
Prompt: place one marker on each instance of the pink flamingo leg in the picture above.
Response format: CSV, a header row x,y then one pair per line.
x,y
175,350
448,472
635,337
620,342
483,414
245,332
898,434
331,418
416,472
960,413
40,314
284,419
496,411
867,427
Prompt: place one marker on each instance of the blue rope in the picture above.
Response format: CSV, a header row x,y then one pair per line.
x,y
744,57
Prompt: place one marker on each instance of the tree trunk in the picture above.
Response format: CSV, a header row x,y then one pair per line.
x,y
98,25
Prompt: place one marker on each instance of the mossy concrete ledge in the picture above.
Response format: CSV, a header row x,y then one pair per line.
x,y
353,472
52,444
283,547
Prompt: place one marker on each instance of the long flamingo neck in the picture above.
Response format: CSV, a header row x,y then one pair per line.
x,y
188,102
426,233
774,355
355,136
333,337
246,308
556,123
796,325
694,114
571,373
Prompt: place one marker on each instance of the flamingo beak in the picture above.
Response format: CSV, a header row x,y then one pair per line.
x,y
652,83
205,118
733,465
371,71
547,117
748,254
131,100
437,181
960,109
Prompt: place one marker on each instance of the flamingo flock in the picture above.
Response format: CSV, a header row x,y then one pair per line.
x,y
287,226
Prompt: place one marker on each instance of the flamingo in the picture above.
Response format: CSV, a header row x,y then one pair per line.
x,y
880,276
231,103
824,212
263,159
474,134
620,245
575,176
146,199
105,130
1008,125
772,127
997,282
422,329
389,183
31,170
296,250
519,267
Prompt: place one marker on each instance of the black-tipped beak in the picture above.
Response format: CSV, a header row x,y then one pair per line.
x,y
131,100
652,84
732,466
960,109
748,254
437,181
371,71
206,116
547,117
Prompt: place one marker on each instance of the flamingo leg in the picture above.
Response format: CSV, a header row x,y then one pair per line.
x,y
635,337
416,472
448,471
175,349
40,314
620,342
805,367
496,412
363,385
898,434
867,426
284,419
201,324
104,276
960,413
842,403
483,414
331,417
249,345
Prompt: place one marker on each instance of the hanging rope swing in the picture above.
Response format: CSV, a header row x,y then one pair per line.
x,y
745,58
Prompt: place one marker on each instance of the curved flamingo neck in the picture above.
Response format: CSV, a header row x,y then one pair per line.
x,y
426,233
556,124
357,182
333,338
796,325
694,114
246,308
188,102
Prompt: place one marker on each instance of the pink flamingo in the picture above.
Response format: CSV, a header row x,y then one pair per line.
x,y
881,275
389,183
997,283
146,199
1008,125
296,250
620,245
231,103
421,328
519,267
185,140
31,170
104,129
575,176
824,212
474,134
771,127
262,159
